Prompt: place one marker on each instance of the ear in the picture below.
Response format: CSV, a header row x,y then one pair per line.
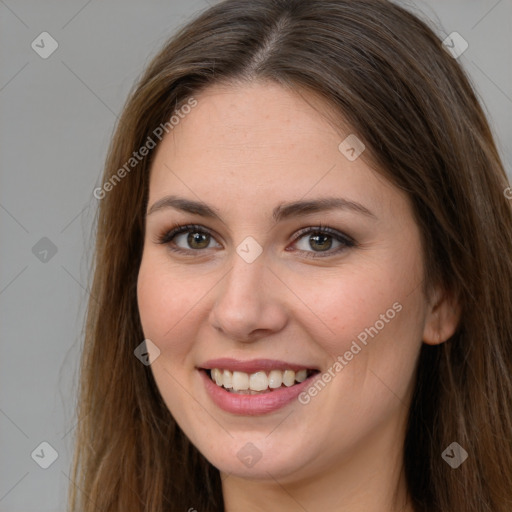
x,y
442,319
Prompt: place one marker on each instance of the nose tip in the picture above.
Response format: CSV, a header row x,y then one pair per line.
x,y
247,306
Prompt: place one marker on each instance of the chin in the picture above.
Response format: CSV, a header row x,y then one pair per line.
x,y
254,461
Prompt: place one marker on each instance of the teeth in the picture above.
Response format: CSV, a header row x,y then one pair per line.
x,y
301,375
227,379
217,376
275,379
289,378
240,381
259,381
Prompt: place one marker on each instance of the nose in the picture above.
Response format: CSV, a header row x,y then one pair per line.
x,y
249,304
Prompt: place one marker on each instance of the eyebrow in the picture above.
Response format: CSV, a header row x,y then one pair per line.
x,y
280,212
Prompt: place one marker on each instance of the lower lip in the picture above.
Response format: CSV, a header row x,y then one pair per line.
x,y
252,405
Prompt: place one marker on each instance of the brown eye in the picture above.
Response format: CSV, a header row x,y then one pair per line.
x,y
196,237
321,240
186,238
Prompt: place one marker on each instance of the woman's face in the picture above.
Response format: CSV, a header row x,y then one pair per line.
x,y
257,280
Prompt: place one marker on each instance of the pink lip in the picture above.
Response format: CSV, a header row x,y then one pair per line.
x,y
252,366
252,405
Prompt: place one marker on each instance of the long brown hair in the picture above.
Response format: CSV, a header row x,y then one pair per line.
x,y
385,73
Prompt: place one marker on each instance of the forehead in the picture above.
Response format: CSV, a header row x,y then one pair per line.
x,y
258,120
260,143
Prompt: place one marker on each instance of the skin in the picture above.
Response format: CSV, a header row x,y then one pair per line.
x,y
243,150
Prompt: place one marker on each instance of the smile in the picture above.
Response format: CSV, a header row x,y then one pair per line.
x,y
258,382
255,387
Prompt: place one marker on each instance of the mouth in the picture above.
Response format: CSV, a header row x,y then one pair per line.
x,y
259,382
254,387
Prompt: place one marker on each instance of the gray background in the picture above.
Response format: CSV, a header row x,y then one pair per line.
x,y
57,117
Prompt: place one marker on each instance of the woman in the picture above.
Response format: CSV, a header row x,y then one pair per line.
x,y
303,275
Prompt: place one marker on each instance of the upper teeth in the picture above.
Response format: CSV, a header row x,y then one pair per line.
x,y
258,381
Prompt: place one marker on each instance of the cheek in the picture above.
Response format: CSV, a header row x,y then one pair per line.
x,y
373,320
166,311
338,307
370,323
165,304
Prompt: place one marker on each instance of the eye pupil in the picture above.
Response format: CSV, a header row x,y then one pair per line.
x,y
195,236
324,237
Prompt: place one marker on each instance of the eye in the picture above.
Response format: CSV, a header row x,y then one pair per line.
x,y
194,236
321,240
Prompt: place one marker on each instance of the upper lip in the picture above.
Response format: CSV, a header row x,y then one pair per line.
x,y
252,365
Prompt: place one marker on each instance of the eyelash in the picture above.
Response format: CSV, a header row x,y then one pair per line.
x,y
167,236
